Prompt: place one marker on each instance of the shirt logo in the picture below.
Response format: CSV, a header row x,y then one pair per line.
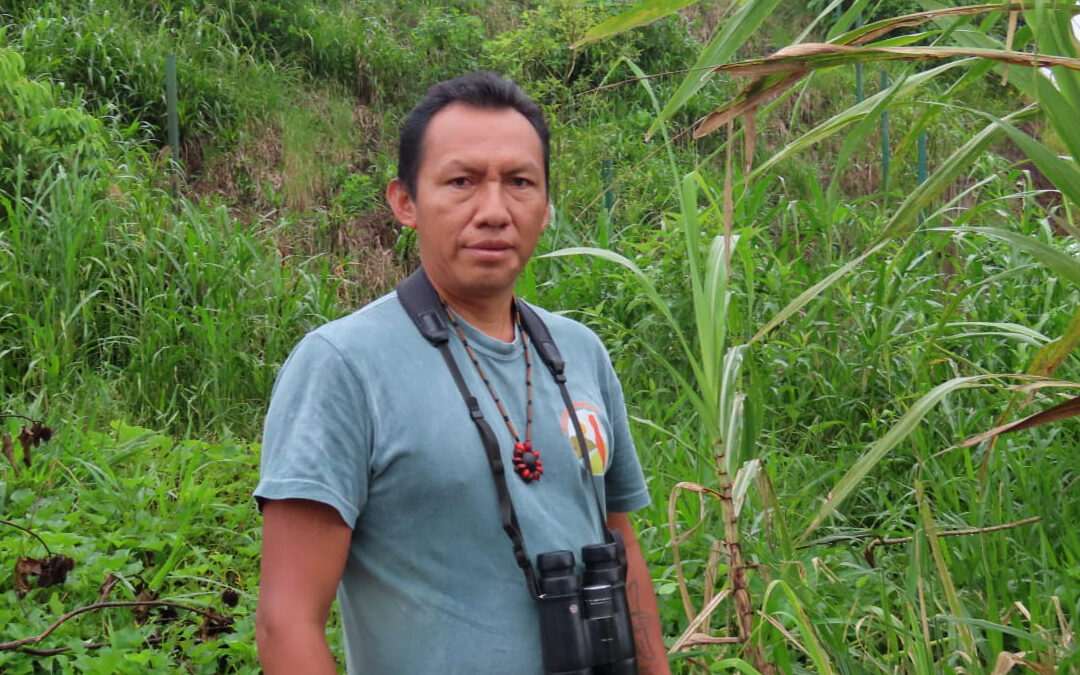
x,y
596,440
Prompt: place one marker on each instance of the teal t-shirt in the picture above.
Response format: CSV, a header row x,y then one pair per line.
x,y
365,417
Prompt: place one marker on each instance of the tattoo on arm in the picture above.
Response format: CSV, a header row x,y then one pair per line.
x,y
640,621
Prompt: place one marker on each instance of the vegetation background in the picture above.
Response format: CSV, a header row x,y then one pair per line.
x,y
805,335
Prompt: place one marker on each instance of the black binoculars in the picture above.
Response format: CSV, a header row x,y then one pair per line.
x,y
585,624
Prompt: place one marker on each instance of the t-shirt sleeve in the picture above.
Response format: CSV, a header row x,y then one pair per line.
x,y
624,482
316,438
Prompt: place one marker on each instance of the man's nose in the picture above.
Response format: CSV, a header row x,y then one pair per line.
x,y
492,209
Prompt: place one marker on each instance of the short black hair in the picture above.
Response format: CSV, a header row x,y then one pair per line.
x,y
480,89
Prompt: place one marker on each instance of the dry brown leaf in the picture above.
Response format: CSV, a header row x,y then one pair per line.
x,y
1061,411
752,97
880,28
107,586
49,572
749,139
794,59
142,611
24,568
214,624
8,448
26,439
1006,661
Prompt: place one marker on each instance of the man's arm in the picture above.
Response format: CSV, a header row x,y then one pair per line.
x,y
304,548
644,613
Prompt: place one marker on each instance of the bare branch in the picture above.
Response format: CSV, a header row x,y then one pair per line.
x,y
22,642
29,532
880,541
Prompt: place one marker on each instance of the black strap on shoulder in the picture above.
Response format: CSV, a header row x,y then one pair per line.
x,y
421,302
549,354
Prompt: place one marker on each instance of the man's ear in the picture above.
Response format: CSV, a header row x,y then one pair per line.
x,y
401,203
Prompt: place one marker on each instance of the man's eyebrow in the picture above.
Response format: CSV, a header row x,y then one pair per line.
x,y
458,165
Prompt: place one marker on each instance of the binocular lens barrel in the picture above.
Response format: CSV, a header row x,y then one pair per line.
x,y
585,630
566,651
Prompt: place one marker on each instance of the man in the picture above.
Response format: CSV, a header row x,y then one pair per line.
x,y
374,481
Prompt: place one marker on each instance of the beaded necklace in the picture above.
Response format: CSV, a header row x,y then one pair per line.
x,y
527,464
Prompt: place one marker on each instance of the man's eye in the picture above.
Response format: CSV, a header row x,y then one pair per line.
x,y
460,181
518,181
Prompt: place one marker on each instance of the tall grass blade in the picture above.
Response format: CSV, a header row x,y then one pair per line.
x,y
813,648
955,606
639,15
809,56
775,74
809,294
1063,174
906,216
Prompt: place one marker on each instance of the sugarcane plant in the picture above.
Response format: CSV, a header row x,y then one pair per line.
x,y
1044,69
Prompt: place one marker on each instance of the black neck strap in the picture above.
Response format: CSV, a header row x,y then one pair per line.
x,y
421,302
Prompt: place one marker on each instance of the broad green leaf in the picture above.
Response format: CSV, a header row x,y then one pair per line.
x,y
728,665
640,14
736,31
892,438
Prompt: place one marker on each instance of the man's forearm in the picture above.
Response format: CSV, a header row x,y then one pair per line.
x,y
299,650
645,615
644,612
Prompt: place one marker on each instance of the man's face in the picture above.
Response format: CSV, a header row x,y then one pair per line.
x,y
480,202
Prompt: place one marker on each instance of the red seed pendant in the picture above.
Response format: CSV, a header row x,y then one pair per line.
x,y
527,462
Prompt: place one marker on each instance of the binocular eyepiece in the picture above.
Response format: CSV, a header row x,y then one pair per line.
x,y
585,624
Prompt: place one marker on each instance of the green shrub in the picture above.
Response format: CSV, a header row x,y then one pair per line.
x,y
38,131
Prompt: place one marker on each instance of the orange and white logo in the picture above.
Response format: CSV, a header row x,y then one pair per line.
x,y
596,440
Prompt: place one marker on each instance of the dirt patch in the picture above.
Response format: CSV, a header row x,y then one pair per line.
x,y
243,178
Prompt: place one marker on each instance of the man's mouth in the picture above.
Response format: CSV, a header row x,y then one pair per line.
x,y
490,246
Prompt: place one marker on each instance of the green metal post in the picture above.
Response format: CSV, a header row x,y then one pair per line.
x,y
170,102
884,137
608,170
